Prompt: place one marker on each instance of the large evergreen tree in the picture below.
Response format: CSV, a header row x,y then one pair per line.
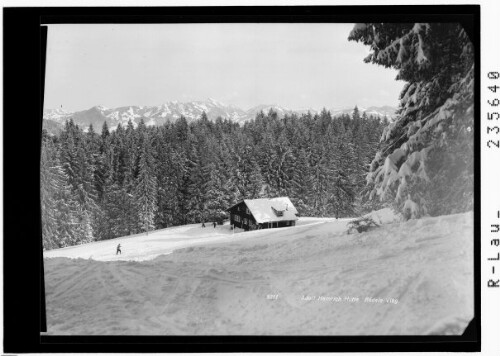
x,y
58,209
301,181
145,192
425,162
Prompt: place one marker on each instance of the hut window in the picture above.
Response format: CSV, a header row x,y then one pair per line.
x,y
278,212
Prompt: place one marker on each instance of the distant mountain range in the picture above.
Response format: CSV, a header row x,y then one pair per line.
x,y
54,119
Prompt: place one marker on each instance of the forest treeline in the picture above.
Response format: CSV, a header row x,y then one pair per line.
x,y
133,179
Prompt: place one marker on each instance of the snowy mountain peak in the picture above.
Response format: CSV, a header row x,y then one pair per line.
x,y
57,111
215,102
379,111
57,115
173,110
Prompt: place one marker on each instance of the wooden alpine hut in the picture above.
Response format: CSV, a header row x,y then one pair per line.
x,y
254,214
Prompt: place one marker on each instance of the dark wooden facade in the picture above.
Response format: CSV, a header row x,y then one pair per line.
x,y
241,217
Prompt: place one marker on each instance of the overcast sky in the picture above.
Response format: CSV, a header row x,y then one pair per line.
x,y
293,65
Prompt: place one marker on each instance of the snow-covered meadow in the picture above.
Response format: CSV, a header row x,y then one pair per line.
x,y
144,246
404,278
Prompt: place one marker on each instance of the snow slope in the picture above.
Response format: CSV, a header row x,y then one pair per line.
x,y
142,247
411,278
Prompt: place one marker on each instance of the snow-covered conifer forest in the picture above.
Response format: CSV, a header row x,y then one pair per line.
x,y
101,186
133,179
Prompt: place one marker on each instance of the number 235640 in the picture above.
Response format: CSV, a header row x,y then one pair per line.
x,y
493,102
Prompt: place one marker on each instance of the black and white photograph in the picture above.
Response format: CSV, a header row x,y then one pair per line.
x,y
258,179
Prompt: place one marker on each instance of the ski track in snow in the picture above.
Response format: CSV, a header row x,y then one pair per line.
x,y
218,283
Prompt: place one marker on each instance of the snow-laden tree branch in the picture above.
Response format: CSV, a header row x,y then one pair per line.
x,y
426,153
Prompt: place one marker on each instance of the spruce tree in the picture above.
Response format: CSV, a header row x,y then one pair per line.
x,y
343,176
145,192
431,139
196,206
249,179
301,191
58,210
216,200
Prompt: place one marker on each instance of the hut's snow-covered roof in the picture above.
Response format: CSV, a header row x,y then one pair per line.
x,y
262,209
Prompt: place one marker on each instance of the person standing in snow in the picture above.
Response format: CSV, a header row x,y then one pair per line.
x,y
202,224
118,249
